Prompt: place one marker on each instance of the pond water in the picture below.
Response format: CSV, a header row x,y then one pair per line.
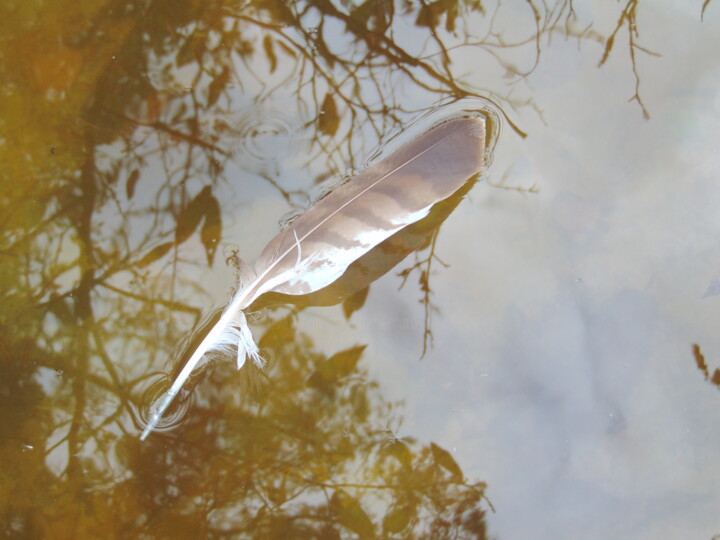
x,y
537,359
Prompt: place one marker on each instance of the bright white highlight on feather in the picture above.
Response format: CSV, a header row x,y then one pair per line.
x,y
299,248
403,221
325,271
372,238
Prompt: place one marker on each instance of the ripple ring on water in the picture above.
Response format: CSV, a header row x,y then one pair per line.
x,y
266,135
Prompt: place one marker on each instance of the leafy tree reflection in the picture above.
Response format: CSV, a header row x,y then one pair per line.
x,y
314,455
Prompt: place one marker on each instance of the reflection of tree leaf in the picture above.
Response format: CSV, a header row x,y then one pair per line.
x,y
131,181
398,518
322,49
341,364
59,307
158,252
374,14
702,366
359,399
217,86
191,215
700,360
426,17
270,52
329,121
280,11
211,231
180,113
608,48
191,50
355,302
282,331
318,382
350,514
400,451
335,368
450,16
276,494
429,14
446,461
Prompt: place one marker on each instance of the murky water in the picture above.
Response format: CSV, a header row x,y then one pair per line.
x,y
537,359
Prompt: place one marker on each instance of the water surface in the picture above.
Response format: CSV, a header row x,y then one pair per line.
x,y
541,361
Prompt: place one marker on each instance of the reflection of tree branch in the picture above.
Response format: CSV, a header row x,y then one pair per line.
x,y
425,268
520,189
119,388
378,45
179,135
628,17
170,304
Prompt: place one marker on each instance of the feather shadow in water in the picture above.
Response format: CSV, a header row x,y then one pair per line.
x,y
322,244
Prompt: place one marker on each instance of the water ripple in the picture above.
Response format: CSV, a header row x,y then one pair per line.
x,y
176,413
267,135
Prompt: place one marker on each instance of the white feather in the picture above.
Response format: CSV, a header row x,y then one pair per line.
x,y
342,227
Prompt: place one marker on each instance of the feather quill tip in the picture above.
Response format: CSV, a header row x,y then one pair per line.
x,y
158,409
